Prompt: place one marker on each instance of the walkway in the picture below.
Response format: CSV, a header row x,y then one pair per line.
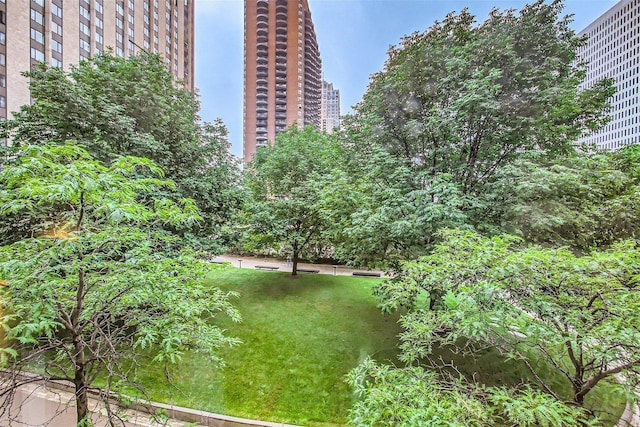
x,y
251,262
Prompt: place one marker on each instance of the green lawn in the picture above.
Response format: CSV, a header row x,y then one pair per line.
x,y
300,338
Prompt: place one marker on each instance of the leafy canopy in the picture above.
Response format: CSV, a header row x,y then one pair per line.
x,y
577,314
93,287
452,107
288,185
115,107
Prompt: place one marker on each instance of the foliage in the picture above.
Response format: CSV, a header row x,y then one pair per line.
x,y
451,108
91,289
578,314
390,211
116,106
413,396
287,186
582,201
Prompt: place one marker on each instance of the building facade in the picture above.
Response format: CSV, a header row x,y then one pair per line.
x,y
282,70
329,108
613,51
62,33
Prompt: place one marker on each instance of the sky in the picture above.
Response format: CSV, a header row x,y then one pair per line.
x,y
353,36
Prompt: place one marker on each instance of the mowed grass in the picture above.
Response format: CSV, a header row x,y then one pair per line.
x,y
301,336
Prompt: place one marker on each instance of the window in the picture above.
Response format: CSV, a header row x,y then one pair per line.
x,y
120,23
119,51
131,47
119,9
99,23
37,54
3,59
85,45
37,16
56,10
3,102
99,8
84,28
37,36
56,28
3,38
3,80
56,46
99,38
119,37
131,19
85,12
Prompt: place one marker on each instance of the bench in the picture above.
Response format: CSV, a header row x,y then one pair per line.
x,y
366,273
266,267
308,270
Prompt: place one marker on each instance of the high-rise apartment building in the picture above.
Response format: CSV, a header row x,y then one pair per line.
x,y
613,51
330,107
282,70
63,33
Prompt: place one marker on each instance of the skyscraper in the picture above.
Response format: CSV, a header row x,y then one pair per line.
x,y
64,32
330,107
282,70
613,51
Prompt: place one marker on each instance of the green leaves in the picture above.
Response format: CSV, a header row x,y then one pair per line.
x,y
289,193
117,107
98,284
453,107
579,314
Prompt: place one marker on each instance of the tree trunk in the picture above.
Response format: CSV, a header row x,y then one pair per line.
x,y
294,269
82,401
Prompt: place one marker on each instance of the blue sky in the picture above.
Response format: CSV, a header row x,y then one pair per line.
x,y
353,36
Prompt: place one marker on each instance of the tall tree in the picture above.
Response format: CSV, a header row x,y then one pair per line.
x,y
94,289
286,184
116,106
578,315
460,101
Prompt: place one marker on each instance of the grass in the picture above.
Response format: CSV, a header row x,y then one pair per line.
x,y
301,336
